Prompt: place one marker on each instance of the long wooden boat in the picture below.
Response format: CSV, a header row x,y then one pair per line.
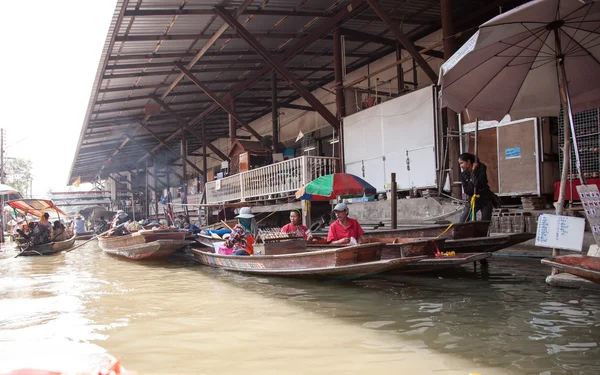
x,y
396,247
84,236
45,249
438,263
207,240
347,262
583,266
487,244
147,244
452,231
37,208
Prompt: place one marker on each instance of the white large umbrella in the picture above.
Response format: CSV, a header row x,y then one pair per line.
x,y
530,61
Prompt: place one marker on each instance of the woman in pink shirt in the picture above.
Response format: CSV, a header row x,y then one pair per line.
x,y
295,225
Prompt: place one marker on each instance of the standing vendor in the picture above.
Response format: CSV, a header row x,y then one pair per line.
x,y
344,228
475,185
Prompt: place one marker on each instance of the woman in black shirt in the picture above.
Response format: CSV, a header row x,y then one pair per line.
x,y
474,182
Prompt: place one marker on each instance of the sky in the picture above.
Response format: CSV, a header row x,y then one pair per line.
x,y
50,54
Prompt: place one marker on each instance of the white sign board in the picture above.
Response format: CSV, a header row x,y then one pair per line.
x,y
560,232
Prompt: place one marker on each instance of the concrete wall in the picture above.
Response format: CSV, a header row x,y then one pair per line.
x,y
409,210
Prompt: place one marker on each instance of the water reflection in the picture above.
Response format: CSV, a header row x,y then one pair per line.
x,y
178,317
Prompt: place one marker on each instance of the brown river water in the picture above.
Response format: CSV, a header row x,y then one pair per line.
x,y
65,312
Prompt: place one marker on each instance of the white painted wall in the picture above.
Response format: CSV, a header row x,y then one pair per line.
x,y
397,136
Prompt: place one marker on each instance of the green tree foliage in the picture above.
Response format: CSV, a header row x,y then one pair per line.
x,y
18,173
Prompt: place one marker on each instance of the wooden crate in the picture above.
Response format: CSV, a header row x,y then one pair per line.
x,y
292,246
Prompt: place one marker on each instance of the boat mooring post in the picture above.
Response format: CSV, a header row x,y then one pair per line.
x,y
394,202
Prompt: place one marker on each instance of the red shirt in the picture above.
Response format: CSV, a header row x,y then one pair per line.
x,y
337,231
290,228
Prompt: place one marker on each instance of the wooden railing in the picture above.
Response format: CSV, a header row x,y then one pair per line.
x,y
282,179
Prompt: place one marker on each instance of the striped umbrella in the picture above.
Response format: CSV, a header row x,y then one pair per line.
x,y
335,185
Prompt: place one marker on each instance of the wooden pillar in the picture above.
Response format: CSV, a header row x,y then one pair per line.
x,y
274,112
394,202
399,70
146,202
415,75
156,192
340,100
451,126
184,153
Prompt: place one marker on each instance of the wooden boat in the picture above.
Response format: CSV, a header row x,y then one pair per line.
x,y
396,247
438,263
44,249
487,244
467,245
455,231
347,262
207,240
84,236
146,244
583,266
37,207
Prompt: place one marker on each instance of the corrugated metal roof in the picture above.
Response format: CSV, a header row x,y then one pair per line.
x,y
144,41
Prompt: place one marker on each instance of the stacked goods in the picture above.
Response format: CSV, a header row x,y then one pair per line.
x,y
504,221
275,234
533,203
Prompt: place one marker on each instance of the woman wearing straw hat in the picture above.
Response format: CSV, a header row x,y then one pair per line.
x,y
243,234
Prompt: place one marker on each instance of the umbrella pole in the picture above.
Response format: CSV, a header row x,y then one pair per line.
x,y
476,148
568,128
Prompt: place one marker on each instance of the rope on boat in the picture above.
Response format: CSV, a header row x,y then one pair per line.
x,y
445,230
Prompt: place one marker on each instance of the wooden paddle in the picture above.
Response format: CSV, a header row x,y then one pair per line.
x,y
93,238
228,227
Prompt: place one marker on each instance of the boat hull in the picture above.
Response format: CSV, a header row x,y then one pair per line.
x,y
84,236
487,244
583,266
158,249
351,261
436,264
456,231
49,248
144,244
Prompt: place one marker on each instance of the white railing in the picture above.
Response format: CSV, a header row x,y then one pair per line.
x,y
178,208
276,180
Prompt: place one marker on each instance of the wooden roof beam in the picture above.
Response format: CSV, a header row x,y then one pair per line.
x,y
217,100
403,39
277,66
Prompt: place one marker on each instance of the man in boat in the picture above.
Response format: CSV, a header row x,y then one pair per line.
x,y
120,218
42,232
344,229
79,224
191,226
243,234
101,226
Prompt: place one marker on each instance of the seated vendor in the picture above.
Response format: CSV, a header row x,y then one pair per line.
x,y
295,226
344,228
242,235
59,232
